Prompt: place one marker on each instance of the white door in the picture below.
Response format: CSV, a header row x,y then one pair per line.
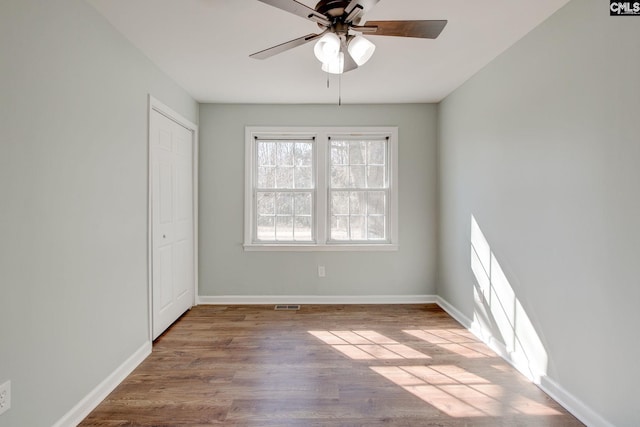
x,y
172,235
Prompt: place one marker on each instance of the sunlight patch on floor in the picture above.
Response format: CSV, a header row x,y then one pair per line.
x,y
367,345
457,341
460,393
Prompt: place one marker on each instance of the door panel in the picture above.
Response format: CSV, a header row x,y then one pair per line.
x,y
181,277
165,191
172,258
184,189
164,278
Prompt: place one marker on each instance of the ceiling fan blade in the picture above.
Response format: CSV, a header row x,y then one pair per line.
x,y
299,9
357,8
421,29
267,53
349,63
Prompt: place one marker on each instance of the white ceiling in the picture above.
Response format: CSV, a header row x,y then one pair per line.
x,y
204,45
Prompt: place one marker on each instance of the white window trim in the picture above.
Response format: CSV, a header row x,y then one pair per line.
x,y
321,135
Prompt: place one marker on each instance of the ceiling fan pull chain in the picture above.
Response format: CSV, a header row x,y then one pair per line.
x,y
339,89
327,80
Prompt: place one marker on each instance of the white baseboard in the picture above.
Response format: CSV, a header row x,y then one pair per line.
x,y
316,299
102,390
501,350
573,404
485,336
453,312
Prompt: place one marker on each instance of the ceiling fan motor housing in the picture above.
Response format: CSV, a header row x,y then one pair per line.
x,y
332,8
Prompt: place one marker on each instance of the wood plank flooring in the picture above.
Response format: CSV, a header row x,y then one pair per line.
x,y
346,365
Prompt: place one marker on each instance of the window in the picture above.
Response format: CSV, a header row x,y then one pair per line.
x,y
358,189
320,188
284,190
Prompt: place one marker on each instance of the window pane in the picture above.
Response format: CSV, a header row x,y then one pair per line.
x,y
267,177
356,228
266,153
375,177
284,228
357,152
366,161
339,227
376,153
284,177
303,204
340,176
358,203
376,228
284,204
266,203
284,153
376,203
303,228
303,152
339,153
303,177
356,176
266,229
358,215
339,203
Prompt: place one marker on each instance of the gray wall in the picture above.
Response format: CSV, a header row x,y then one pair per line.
x,y
225,269
542,148
73,195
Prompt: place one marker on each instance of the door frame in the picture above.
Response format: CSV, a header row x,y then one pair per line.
x,y
159,107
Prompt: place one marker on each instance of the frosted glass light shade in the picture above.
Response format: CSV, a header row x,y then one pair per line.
x,y
335,66
361,49
327,48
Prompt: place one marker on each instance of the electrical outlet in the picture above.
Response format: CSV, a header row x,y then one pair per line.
x,y
5,397
321,271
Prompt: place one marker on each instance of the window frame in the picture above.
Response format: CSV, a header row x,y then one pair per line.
x,y
256,189
386,188
321,176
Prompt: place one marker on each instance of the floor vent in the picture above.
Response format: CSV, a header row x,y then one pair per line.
x,y
287,307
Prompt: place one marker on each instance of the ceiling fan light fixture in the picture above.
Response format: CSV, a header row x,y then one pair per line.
x,y
335,66
327,48
337,48
361,49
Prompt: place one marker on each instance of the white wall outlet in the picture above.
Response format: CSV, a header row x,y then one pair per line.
x,y
5,397
321,271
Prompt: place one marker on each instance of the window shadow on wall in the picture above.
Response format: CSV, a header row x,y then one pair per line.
x,y
499,315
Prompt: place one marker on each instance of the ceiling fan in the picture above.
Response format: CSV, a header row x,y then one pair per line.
x,y
338,48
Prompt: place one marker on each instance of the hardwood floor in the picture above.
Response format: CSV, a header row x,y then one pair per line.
x,y
347,365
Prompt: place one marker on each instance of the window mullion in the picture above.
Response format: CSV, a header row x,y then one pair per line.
x,y
322,177
255,215
366,215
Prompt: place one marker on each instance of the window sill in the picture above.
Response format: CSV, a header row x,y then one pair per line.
x,y
387,247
